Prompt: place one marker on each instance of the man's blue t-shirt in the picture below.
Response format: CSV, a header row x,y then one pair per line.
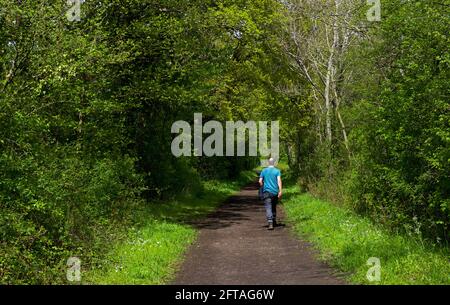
x,y
270,179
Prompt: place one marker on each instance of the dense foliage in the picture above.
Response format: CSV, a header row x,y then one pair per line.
x,y
402,171
393,93
86,114
86,109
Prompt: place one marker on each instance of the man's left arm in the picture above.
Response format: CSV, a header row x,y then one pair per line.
x,y
280,187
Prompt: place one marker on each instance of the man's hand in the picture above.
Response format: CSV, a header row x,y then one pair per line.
x,y
280,194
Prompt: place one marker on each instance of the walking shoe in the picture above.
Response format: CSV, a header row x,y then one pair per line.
x,y
270,226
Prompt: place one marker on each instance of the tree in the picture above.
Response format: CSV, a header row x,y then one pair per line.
x,y
318,37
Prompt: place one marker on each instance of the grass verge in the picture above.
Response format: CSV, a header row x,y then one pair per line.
x,y
346,241
154,249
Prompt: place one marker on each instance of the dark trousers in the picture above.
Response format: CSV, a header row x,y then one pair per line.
x,y
270,203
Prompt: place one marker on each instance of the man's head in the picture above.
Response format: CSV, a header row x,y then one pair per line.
x,y
271,162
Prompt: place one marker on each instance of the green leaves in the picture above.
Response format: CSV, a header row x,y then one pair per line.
x,y
86,109
409,169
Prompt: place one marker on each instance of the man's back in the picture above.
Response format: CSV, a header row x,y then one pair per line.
x,y
270,179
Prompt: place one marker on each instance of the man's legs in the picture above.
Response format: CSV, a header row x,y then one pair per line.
x,y
268,206
274,209
270,202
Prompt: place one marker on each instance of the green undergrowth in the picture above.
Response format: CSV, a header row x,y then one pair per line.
x,y
347,241
154,247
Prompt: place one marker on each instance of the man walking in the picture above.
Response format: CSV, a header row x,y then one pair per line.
x,y
270,181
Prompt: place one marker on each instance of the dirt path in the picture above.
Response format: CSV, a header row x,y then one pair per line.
x,y
234,247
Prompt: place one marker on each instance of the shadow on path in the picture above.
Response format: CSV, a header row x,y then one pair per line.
x,y
234,247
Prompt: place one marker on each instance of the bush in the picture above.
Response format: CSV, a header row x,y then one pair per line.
x,y
60,208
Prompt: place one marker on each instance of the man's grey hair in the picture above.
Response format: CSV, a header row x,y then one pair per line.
x,y
271,161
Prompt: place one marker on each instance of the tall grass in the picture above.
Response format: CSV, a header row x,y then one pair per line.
x,y
346,241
